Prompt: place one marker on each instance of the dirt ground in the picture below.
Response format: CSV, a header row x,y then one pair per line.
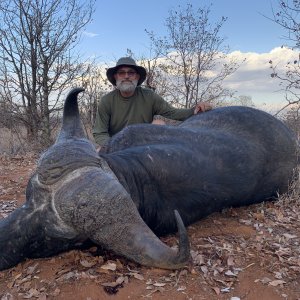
x,y
246,253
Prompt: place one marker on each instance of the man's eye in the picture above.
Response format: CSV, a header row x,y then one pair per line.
x,y
129,73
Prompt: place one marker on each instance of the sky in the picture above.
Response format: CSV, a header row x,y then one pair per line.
x,y
120,25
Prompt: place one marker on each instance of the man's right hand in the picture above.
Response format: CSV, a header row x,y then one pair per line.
x,y
202,107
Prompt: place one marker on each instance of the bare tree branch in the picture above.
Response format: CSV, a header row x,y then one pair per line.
x,y
192,57
38,58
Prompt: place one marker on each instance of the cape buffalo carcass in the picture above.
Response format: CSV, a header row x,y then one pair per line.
x,y
150,180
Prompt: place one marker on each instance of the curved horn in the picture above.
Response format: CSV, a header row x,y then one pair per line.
x,y
100,208
147,249
71,126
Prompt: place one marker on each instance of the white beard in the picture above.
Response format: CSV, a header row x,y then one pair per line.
x,y
126,86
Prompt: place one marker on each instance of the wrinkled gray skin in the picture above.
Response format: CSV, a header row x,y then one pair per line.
x,y
226,157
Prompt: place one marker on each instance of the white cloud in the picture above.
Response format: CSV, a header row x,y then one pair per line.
x,y
253,78
90,34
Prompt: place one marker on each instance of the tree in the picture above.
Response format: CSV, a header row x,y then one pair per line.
x,y
191,57
37,57
155,79
286,15
242,100
292,119
95,87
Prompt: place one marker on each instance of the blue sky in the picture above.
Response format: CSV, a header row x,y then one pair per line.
x,y
118,25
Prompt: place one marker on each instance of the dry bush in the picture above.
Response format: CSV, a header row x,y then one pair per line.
x,y
12,141
15,141
292,196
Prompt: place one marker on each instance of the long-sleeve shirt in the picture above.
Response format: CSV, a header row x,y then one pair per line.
x,y
115,112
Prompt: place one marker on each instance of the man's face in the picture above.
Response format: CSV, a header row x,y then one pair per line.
x,y
126,79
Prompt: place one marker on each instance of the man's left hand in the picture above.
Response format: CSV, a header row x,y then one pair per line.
x,y
202,107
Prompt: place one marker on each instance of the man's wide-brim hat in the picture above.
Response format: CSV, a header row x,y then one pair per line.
x,y
128,62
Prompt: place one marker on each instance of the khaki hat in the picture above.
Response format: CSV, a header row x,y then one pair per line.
x,y
126,61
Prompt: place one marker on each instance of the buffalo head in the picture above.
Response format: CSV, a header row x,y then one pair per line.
x,y
73,197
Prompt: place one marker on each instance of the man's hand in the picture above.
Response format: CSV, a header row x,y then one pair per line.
x,y
202,107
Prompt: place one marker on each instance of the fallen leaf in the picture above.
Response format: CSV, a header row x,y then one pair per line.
x,y
149,281
137,276
225,290
265,280
246,222
11,284
119,264
55,293
289,236
133,271
17,276
230,274
120,279
67,276
42,297
277,275
216,290
87,264
158,289
110,284
204,269
109,266
159,284
183,273
30,270
230,261
31,293
26,285
7,296
220,281
149,287
276,282
168,279
198,259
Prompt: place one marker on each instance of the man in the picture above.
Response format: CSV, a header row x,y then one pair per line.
x,y
129,103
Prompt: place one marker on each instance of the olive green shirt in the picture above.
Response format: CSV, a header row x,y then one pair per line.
x,y
115,112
